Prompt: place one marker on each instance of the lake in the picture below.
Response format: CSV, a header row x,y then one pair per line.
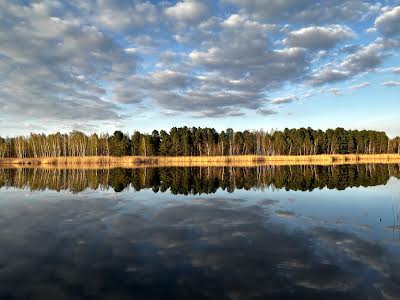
x,y
268,232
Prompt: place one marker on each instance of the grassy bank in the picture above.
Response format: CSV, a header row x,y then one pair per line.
x,y
242,160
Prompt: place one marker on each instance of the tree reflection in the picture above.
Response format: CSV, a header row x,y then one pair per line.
x,y
200,180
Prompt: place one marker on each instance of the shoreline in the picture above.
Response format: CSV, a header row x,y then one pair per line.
x,y
200,161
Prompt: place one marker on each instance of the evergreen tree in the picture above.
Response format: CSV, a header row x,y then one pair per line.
x,y
119,144
202,141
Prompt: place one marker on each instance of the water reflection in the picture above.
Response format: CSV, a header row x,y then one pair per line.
x,y
206,248
197,180
244,241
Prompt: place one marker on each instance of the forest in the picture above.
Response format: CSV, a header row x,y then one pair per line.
x,y
195,141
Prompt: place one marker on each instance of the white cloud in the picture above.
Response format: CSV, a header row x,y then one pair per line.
x,y
346,90
218,113
316,37
329,75
97,60
359,86
389,22
51,66
395,70
187,11
391,83
282,100
364,59
122,15
307,10
266,112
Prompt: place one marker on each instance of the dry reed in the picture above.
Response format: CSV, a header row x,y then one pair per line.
x,y
239,160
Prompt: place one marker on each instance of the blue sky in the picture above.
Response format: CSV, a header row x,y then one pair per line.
x,y
246,64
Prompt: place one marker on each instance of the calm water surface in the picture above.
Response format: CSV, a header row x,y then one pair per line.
x,y
196,233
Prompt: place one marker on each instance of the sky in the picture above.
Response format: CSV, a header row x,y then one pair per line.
x,y
100,66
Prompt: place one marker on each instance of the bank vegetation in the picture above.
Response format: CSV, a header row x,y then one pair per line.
x,y
201,146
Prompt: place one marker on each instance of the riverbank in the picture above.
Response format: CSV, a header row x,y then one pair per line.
x,y
239,160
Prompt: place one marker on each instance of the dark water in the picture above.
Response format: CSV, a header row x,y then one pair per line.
x,y
201,233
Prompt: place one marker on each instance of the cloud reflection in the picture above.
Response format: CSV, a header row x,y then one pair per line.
x,y
202,248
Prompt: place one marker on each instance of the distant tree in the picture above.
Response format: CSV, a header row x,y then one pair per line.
x,y
119,144
135,143
186,140
155,142
279,143
3,147
165,144
223,143
198,141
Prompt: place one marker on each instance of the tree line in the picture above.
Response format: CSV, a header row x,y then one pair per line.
x,y
198,180
196,141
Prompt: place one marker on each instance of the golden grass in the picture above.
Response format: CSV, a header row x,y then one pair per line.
x,y
207,161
